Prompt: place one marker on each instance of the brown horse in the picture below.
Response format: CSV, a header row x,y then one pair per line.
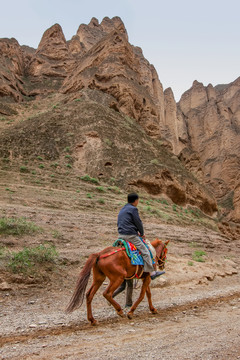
x,y
115,264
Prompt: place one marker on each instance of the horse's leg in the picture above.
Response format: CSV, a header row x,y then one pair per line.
x,y
108,293
151,307
146,282
120,289
97,282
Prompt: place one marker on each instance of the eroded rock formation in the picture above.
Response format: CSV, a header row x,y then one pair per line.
x,y
100,64
212,119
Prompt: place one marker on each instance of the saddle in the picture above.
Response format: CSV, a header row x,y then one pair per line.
x,y
133,253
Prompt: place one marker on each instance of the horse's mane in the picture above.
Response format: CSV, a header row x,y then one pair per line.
x,y
156,243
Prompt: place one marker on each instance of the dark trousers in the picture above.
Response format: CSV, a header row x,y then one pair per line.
x,y
122,287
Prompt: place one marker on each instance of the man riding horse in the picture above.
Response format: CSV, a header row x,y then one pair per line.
x,y
130,227
115,264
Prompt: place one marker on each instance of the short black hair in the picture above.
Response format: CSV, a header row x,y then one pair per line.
x,y
132,197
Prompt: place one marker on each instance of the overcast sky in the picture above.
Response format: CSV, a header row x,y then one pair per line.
x,y
185,40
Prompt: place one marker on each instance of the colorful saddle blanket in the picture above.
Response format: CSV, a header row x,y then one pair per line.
x,y
133,253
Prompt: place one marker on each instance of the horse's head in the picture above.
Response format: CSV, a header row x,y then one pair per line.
x,y
161,252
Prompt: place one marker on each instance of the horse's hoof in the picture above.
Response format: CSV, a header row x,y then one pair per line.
x,y
94,322
154,311
120,313
130,315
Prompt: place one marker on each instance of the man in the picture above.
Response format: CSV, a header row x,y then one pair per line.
x,y
130,227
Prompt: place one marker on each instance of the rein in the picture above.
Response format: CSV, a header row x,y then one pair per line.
x,y
161,260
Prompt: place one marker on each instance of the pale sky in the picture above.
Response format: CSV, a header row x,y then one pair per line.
x,y
185,40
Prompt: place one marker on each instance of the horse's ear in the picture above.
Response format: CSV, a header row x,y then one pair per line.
x,y
166,242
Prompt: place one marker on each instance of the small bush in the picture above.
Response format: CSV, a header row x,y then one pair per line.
x,y
89,196
24,169
41,166
88,178
69,166
114,189
198,256
148,208
101,201
56,234
100,188
17,226
39,158
55,164
8,189
24,260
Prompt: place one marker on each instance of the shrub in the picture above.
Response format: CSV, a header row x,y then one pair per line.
x,y
101,201
148,208
88,178
198,256
24,169
100,188
24,260
55,164
114,189
56,234
17,226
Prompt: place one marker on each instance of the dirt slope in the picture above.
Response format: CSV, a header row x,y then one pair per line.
x,y
198,302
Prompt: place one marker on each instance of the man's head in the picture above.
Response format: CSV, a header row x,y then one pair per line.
x,y
133,199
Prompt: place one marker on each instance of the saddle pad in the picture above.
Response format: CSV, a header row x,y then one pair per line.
x,y
132,252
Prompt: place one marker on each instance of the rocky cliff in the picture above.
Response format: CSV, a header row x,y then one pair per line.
x,y
210,118
100,65
99,57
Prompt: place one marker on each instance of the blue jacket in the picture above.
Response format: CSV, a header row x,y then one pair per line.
x,y
129,222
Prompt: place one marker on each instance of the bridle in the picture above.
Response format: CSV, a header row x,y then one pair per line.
x,y
161,260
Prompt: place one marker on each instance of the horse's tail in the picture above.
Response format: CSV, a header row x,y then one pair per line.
x,y
78,295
